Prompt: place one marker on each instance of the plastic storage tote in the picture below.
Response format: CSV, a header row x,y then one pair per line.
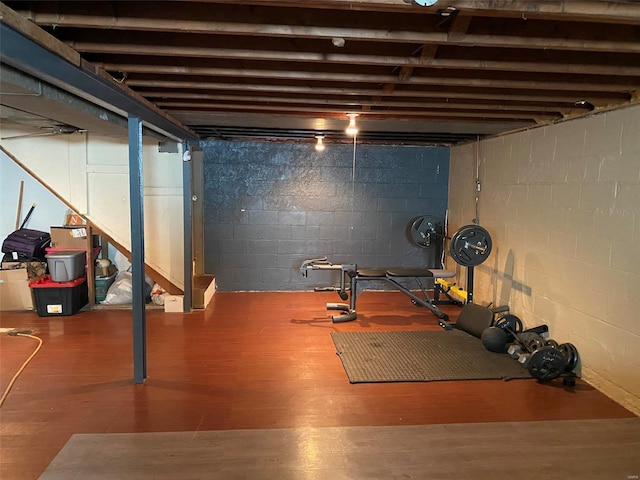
x,y
66,265
56,298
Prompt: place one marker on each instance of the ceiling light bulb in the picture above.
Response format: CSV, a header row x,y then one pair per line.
x,y
352,129
426,3
319,144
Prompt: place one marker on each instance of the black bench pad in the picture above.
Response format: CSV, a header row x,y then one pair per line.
x,y
371,272
409,272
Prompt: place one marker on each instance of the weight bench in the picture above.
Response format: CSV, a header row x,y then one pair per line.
x,y
391,276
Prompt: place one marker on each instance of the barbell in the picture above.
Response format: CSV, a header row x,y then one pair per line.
x,y
469,246
547,363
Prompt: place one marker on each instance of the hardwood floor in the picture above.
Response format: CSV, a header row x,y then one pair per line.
x,y
250,360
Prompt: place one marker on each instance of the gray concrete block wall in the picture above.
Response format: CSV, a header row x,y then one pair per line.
x,y
269,206
562,204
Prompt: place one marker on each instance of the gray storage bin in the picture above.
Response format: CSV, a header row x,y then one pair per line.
x,y
66,265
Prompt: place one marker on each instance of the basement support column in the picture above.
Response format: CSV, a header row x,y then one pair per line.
x,y
136,198
187,193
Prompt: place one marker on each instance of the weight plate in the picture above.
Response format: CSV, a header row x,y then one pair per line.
x,y
574,358
550,342
546,363
571,354
470,245
426,231
531,341
536,343
509,323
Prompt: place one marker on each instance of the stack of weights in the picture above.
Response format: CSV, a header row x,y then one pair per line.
x,y
545,359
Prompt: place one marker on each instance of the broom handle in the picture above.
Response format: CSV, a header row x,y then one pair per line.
x,y
19,204
28,215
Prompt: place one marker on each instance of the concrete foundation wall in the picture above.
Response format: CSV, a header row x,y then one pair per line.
x,y
562,204
269,206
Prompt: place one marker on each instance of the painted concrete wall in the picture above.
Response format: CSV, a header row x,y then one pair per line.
x,y
91,173
269,206
562,204
48,211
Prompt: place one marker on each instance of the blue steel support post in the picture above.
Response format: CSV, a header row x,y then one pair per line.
x,y
188,240
137,250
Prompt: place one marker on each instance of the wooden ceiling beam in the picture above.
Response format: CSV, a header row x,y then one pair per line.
x,y
567,10
558,97
415,103
521,115
326,32
354,77
215,116
579,10
459,27
427,56
426,59
33,32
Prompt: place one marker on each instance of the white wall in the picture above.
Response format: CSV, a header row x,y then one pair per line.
x,y
562,204
48,211
91,173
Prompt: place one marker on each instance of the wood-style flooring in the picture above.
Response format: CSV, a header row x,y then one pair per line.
x,y
249,361
551,450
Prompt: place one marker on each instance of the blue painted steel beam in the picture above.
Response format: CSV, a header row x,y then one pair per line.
x,y
24,54
137,250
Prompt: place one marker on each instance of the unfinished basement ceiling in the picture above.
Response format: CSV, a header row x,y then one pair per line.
x,y
414,74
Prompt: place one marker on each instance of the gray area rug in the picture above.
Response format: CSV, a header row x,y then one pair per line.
x,y
421,356
585,450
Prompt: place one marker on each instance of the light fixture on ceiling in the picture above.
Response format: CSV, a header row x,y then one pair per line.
x,y
352,129
426,3
319,143
586,104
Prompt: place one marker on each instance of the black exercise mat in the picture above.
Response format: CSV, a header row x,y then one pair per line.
x,y
421,356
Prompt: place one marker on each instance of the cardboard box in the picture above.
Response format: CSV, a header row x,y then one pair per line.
x,y
73,219
34,269
173,303
204,286
15,293
71,238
